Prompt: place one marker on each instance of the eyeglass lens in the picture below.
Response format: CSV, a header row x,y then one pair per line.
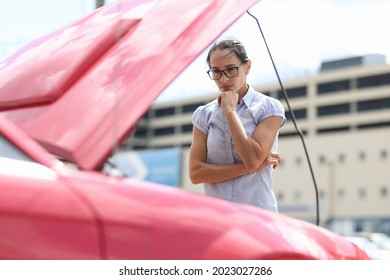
x,y
230,72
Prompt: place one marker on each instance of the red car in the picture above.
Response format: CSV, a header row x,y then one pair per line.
x,y
68,99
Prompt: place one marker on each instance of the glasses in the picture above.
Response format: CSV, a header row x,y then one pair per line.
x,y
229,72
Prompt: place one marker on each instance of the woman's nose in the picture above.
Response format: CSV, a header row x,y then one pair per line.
x,y
224,78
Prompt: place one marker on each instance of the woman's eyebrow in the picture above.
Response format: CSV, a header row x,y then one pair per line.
x,y
227,66
230,65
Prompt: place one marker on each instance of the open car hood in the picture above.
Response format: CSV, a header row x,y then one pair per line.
x,y
80,91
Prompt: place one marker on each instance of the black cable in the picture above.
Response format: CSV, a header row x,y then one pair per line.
x,y
293,119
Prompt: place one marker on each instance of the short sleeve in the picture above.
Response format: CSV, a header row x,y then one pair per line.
x,y
201,116
199,119
270,107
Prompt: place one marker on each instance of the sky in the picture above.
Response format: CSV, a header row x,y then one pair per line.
x,y
300,35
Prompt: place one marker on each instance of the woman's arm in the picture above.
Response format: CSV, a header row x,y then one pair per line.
x,y
203,172
273,159
252,150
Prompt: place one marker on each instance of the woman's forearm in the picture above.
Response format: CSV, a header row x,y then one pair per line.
x,y
248,149
216,173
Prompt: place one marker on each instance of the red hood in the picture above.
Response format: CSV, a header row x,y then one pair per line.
x,y
82,89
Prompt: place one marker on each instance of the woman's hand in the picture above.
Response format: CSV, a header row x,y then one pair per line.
x,y
228,99
273,159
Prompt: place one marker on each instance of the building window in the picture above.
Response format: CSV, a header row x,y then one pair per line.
x,y
291,134
373,125
341,158
140,133
333,129
190,108
340,193
322,194
186,128
384,154
383,192
322,159
327,88
146,116
333,110
139,147
376,104
164,131
298,114
298,161
293,93
164,112
362,156
371,81
362,193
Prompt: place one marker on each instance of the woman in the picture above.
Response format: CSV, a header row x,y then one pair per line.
x,y
235,136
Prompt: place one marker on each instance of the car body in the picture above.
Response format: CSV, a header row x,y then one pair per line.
x,y
68,99
373,250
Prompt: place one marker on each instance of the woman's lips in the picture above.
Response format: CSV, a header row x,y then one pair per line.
x,y
226,88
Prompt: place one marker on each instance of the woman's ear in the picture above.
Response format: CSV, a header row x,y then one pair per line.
x,y
248,67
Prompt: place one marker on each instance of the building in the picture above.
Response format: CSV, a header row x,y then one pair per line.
x,y
343,115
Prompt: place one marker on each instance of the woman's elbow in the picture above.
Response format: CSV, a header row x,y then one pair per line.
x,y
195,181
195,178
252,165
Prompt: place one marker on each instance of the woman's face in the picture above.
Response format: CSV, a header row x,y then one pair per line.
x,y
225,59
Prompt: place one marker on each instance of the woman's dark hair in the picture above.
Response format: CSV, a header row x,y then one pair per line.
x,y
233,45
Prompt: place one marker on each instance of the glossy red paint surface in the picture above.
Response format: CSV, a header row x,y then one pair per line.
x,y
84,74
88,216
60,213
51,211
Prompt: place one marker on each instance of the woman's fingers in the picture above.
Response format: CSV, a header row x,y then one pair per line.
x,y
276,156
274,159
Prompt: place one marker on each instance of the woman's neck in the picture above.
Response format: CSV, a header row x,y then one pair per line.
x,y
243,92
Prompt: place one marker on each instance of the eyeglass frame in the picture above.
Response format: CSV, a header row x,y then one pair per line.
x,y
223,71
